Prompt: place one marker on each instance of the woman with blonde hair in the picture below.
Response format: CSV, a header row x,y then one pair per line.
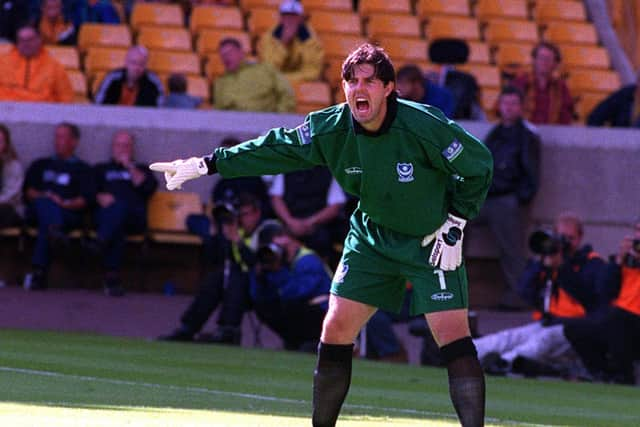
x,y
11,178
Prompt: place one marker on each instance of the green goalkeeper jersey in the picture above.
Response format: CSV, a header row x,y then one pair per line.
x,y
408,175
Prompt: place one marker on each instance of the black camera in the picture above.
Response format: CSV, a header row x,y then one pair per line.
x,y
270,256
224,212
543,242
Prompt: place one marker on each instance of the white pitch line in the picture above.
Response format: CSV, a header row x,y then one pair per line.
x,y
204,390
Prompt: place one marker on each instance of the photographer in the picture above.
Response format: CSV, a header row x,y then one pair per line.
x,y
290,288
608,345
564,281
233,251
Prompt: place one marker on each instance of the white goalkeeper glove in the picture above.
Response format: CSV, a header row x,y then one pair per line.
x,y
179,171
447,248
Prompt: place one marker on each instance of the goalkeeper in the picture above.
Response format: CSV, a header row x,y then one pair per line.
x,y
419,177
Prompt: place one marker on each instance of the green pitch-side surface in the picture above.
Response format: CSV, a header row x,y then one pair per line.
x,y
55,379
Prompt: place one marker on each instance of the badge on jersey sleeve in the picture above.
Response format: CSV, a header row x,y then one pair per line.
x,y
453,150
304,133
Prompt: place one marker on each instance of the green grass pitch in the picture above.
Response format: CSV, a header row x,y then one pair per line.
x,y
56,379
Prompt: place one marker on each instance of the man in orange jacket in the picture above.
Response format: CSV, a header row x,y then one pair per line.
x,y
29,73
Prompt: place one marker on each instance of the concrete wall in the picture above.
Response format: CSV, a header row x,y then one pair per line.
x,y
594,172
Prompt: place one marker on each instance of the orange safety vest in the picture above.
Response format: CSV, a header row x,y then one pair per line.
x,y
629,297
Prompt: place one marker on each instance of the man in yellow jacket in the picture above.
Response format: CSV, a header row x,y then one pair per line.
x,y
292,46
29,73
250,86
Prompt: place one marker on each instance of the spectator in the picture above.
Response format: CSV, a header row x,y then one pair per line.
x,y
620,109
463,86
565,282
547,97
250,86
292,46
58,190
97,11
516,155
413,85
609,345
309,203
290,288
133,84
178,97
13,15
11,179
29,73
54,27
123,189
234,254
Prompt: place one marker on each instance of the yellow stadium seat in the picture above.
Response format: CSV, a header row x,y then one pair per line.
x,y
103,35
452,26
489,9
214,67
209,40
513,55
402,50
261,20
381,25
336,22
66,55
165,62
312,96
478,53
103,59
227,17
167,212
497,31
164,15
571,32
311,6
584,80
248,5
367,7
338,96
584,56
429,8
159,38
486,75
78,83
333,72
587,101
559,10
339,45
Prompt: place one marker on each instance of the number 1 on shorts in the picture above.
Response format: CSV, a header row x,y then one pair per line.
x,y
440,274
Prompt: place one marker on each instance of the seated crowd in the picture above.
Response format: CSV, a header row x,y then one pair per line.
x,y
286,54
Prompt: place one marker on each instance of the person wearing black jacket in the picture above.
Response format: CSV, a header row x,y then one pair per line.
x,y
620,109
132,85
123,189
516,152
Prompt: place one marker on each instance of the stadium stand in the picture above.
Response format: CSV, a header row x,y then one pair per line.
x,y
336,22
429,8
103,35
260,20
167,214
489,9
368,7
155,14
160,38
312,96
380,25
311,6
216,17
209,39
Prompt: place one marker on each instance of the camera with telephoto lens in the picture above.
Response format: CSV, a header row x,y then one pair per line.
x,y
543,242
270,256
224,212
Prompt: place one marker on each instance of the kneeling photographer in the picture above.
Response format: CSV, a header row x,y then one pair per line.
x,y
609,345
290,288
232,252
565,281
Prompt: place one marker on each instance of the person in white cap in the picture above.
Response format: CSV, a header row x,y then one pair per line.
x,y
292,46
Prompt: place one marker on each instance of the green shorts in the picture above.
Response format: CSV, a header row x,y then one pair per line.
x,y
377,263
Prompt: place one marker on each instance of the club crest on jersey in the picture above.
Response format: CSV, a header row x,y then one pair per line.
x,y
304,133
341,272
405,172
453,150
442,296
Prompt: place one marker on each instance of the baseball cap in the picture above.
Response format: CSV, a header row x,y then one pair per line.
x,y
291,7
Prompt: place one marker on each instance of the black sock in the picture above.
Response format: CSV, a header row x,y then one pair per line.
x,y
466,381
331,381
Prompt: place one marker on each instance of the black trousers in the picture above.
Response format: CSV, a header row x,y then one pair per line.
x,y
296,322
231,291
